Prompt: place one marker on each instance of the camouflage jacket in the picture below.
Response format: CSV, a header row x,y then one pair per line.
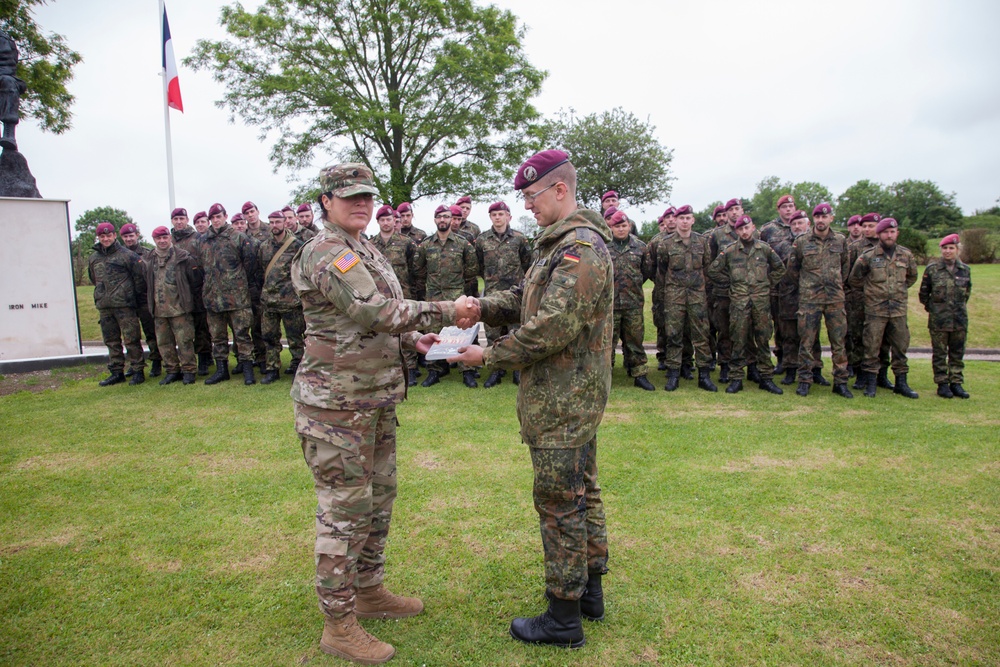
x,y
628,257
945,294
683,265
171,282
563,347
721,238
787,289
262,234
189,239
304,233
752,270
503,258
117,275
401,252
444,267
415,234
357,323
470,229
820,267
854,250
230,264
775,232
140,250
885,280
277,293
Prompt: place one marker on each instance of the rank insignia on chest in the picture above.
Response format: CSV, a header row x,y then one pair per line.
x,y
878,261
345,261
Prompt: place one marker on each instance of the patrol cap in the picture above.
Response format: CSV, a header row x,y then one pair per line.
x,y
216,208
237,217
199,215
442,209
247,206
822,209
887,223
385,210
610,211
854,220
798,215
303,208
456,211
741,221
405,207
347,180
464,200
718,209
732,203
951,239
275,214
105,228
609,193
128,228
499,206
537,166
785,199
684,210
618,218
160,231
871,217
178,211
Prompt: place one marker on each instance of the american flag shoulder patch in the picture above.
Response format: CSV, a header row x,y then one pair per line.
x,y
345,261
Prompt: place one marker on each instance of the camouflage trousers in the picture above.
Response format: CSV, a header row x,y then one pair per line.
x,y
239,320
202,336
629,326
790,343
257,331
750,320
352,456
149,332
295,331
881,330
720,315
176,336
810,317
661,330
117,325
948,356
713,333
687,323
570,516
855,342
779,337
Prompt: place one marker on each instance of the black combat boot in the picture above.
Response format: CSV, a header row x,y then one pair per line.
x,y
803,389
705,380
850,371
642,382
819,379
495,378
686,371
735,387
870,383
958,390
753,375
168,378
433,377
469,379
902,388
768,385
840,389
661,366
155,368
673,379
592,602
859,382
944,390
516,377
411,380
138,377
779,367
560,625
723,372
248,377
187,378
204,359
292,368
238,368
221,372
269,376
883,379
116,377
789,375
129,373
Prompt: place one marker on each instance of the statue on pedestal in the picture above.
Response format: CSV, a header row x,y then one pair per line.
x,y
11,89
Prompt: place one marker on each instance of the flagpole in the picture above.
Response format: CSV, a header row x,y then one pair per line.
x,y
166,122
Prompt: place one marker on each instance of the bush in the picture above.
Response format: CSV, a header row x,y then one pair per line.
x,y
978,246
915,241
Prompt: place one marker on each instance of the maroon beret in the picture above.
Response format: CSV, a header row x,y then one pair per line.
x,y
887,223
718,209
395,214
610,211
618,218
178,211
456,210
161,231
442,209
128,228
609,193
384,210
537,166
733,203
499,206
287,208
854,220
275,214
798,215
951,239
105,228
199,215
670,212
822,209
216,208
404,207
464,200
247,206
871,217
684,210
237,217
741,221
303,208
786,199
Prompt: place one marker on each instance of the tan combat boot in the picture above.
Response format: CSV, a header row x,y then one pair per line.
x,y
379,602
344,638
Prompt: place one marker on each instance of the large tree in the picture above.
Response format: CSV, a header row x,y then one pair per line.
x,y
923,205
433,95
763,206
86,235
613,150
861,198
46,65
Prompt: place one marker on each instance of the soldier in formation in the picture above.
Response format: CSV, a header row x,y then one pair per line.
x,y
944,293
778,233
280,305
188,238
628,255
401,252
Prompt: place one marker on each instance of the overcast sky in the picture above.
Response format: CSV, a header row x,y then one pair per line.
x,y
829,92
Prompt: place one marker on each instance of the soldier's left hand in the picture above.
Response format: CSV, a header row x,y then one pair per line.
x,y
471,355
424,342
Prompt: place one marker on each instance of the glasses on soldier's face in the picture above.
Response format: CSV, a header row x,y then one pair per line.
x,y
530,198
443,216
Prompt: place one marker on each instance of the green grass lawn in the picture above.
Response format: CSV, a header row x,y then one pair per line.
x,y
174,526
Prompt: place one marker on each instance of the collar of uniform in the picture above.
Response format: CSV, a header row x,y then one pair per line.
x,y
348,240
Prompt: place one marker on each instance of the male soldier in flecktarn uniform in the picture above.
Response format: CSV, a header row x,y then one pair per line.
x,y
186,237
788,308
609,199
856,308
682,259
119,288
467,227
445,265
130,238
503,255
885,273
256,228
751,268
201,224
305,216
230,264
406,227
656,296
774,233
401,252
628,255
719,218
854,235
279,302
241,225
172,277
819,265
944,292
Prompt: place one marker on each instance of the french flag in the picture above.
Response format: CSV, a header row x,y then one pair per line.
x,y
170,68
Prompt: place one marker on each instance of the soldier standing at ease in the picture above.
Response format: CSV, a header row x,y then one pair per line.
x,y
466,226
779,232
628,255
280,305
256,228
856,308
172,277
186,237
402,255
657,294
241,225
609,199
503,255
304,214
788,308
819,265
130,237
854,235
406,227
944,292
200,222
885,273
119,288
752,268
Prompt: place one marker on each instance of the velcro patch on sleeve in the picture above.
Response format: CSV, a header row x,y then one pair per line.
x,y
571,256
346,260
